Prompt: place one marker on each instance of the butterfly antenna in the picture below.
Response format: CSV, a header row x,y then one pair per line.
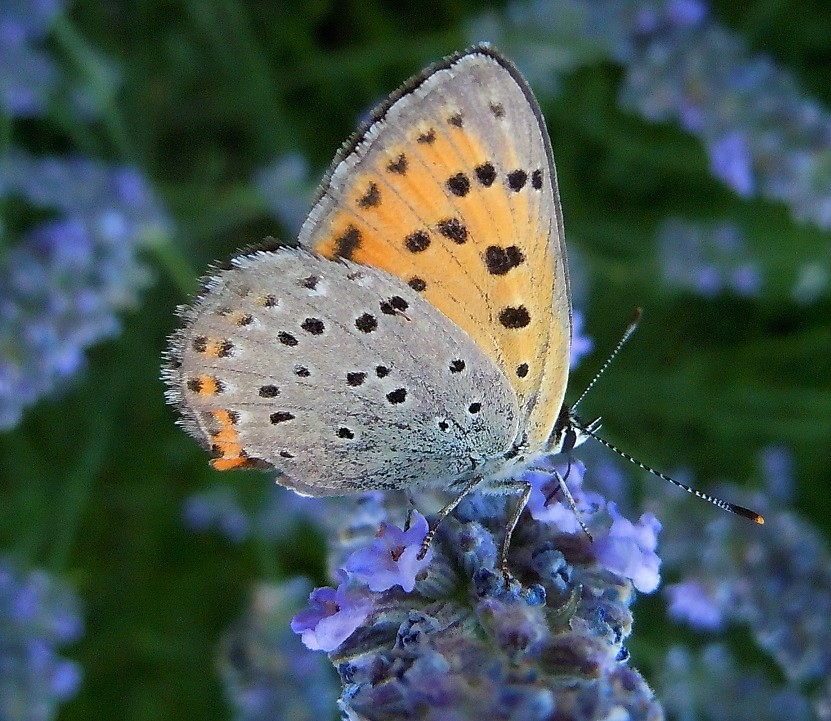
x,y
636,318
725,505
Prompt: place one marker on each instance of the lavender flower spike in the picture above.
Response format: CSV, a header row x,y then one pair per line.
x,y
547,643
64,281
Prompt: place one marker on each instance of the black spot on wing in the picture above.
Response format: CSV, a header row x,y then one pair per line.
x,y
515,318
347,243
459,185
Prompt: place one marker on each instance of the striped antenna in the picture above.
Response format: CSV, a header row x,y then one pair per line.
x,y
725,505
636,318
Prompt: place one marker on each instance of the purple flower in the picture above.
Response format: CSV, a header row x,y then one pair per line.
x,y
581,345
708,259
266,671
686,12
466,636
777,467
393,557
710,684
38,614
775,579
764,135
689,601
28,76
730,161
270,513
626,548
746,280
66,679
707,280
334,615
546,503
65,280
217,509
629,549
282,511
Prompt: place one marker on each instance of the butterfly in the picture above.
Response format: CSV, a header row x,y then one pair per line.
x,y
420,334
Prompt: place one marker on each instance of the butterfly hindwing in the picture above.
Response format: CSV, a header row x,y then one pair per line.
x,y
341,376
452,188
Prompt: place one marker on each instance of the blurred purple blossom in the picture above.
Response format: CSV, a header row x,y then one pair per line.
x,y
581,345
764,135
689,601
777,467
710,685
686,13
266,671
217,509
730,162
707,259
268,513
28,75
38,614
64,281
775,579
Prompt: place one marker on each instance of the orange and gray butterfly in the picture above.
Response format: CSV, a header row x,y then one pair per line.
x,y
341,375
452,188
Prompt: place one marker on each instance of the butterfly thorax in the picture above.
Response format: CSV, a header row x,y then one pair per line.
x,y
501,474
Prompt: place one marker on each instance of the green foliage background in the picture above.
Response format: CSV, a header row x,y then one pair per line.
x,y
93,481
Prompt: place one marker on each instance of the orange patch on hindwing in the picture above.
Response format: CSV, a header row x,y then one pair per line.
x,y
225,442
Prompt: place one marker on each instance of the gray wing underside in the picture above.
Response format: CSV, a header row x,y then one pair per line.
x,y
367,385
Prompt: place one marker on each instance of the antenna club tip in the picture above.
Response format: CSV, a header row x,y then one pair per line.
x,y
633,323
747,513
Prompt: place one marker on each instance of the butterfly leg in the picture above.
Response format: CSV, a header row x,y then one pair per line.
x,y
443,513
551,495
410,510
510,526
572,505
561,486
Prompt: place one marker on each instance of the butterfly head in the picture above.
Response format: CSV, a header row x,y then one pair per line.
x,y
570,432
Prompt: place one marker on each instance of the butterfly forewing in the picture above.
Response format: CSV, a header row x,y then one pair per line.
x,y
452,188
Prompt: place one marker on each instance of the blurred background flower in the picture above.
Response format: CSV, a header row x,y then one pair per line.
x,y
29,75
66,278
139,142
38,615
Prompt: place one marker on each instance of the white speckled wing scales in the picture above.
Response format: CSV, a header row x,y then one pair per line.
x,y
339,375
